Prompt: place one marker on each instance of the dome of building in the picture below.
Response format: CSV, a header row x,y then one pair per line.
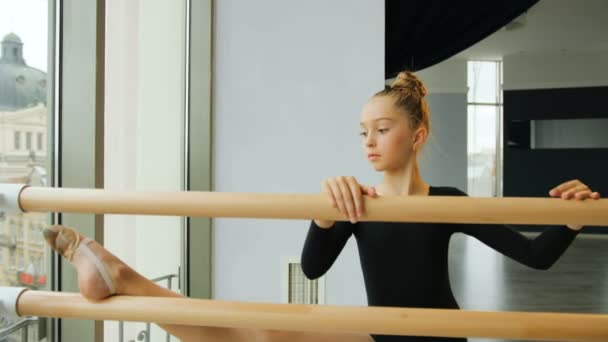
x,y
21,86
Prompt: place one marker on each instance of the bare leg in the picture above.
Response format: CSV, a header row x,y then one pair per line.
x,y
126,281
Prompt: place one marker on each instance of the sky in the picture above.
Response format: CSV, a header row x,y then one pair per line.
x,y
29,20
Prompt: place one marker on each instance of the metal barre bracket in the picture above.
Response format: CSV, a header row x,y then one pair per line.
x,y
9,198
8,300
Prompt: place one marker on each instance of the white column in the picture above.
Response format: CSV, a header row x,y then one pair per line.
x,y
143,123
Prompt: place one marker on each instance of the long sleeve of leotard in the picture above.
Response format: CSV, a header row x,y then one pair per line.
x,y
540,252
322,247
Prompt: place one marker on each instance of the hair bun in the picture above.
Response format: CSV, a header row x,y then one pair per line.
x,y
407,81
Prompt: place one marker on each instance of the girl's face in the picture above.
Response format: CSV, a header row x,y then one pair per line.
x,y
388,139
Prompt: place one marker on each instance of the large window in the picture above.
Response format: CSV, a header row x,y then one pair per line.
x,y
24,56
484,126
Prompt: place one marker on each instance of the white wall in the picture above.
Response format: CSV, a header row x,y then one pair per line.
x,y
290,81
143,125
555,70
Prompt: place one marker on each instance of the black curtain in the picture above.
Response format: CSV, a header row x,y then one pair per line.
x,y
420,34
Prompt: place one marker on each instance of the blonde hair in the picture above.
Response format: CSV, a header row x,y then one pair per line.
x,y
409,94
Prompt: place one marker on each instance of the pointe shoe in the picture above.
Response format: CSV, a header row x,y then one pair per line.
x,y
68,242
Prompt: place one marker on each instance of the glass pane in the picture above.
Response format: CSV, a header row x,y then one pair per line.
x,y
570,133
24,153
483,82
482,137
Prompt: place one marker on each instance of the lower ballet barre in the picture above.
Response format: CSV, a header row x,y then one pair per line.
x,y
317,318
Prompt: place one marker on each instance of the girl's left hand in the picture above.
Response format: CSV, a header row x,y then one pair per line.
x,y
574,189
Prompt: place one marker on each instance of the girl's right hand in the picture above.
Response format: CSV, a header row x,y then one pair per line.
x,y
345,194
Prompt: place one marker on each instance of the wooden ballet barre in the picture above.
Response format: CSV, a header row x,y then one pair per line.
x,y
317,318
437,209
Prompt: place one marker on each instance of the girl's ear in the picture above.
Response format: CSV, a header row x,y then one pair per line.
x,y
419,138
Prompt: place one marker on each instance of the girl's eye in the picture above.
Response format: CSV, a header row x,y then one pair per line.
x,y
363,134
383,130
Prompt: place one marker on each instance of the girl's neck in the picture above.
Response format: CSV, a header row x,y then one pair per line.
x,y
405,181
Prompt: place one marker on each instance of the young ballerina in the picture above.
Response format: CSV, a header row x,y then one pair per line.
x,y
406,264
395,125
